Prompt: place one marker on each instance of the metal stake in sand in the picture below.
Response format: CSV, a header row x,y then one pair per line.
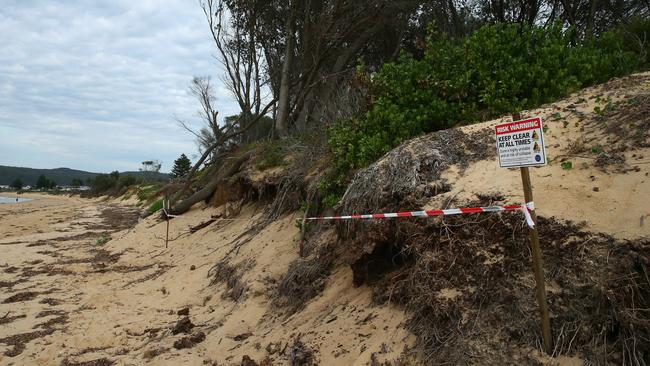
x,y
521,144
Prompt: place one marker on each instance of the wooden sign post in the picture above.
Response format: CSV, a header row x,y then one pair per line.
x,y
521,144
537,264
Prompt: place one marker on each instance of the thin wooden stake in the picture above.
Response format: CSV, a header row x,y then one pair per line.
x,y
166,202
302,228
167,235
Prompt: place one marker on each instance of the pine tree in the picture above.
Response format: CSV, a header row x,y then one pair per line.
x,y
42,182
182,166
17,184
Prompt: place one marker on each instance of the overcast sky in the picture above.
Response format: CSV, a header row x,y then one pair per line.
x,y
96,85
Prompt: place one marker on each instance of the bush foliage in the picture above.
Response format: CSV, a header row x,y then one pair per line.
x,y
498,69
155,206
113,183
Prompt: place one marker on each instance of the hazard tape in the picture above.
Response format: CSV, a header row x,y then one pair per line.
x,y
165,208
526,208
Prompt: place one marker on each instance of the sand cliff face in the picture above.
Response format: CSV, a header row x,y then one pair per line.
x,y
89,281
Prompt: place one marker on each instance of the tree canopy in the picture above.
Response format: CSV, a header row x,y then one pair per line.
x,y
302,54
371,74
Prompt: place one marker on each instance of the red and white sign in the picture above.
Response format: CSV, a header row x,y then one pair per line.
x,y
521,143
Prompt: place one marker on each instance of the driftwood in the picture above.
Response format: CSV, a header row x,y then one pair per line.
x,y
200,226
207,191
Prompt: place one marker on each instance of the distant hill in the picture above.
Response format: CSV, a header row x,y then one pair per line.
x,y
62,176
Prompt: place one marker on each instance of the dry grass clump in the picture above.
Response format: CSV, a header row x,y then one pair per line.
x,y
306,277
471,294
304,280
630,121
231,275
98,362
296,183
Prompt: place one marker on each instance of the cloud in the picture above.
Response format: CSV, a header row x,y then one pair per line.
x,y
96,85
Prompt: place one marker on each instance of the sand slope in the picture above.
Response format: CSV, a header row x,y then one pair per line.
x,y
605,187
119,300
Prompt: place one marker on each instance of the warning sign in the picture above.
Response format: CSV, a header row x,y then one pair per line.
x,y
521,143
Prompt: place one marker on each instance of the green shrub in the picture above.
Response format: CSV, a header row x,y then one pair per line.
x,y
272,156
499,69
146,193
635,37
128,180
105,238
103,183
157,205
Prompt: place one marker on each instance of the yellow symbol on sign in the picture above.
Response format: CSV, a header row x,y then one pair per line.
x,y
536,147
535,135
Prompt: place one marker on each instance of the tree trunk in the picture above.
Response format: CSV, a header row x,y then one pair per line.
x,y
207,191
202,195
456,28
285,82
589,32
569,12
321,96
227,135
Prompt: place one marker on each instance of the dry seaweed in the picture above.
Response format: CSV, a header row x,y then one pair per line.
x,y
231,275
410,174
304,280
469,290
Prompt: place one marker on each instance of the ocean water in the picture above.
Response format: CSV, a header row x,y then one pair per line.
x,y
13,200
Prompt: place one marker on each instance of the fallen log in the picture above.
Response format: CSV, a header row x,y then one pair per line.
x,y
227,134
206,192
201,195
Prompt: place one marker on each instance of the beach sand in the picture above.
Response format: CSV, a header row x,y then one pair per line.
x,y
66,298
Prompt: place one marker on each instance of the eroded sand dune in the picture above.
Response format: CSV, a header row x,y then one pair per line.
x,y
68,295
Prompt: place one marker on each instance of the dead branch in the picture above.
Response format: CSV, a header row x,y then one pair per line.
x,y
202,225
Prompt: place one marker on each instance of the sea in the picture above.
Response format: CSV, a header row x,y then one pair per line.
x,y
4,199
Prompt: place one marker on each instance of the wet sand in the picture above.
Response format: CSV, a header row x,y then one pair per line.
x,y
50,256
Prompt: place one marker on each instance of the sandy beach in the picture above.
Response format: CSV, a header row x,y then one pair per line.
x,y
69,298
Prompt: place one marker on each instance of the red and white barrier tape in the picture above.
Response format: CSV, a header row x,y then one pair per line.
x,y
526,208
427,213
165,208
